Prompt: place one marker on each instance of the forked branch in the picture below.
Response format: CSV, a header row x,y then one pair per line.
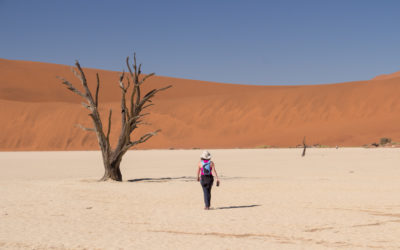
x,y
142,139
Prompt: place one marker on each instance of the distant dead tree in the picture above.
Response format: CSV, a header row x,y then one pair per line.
x,y
131,115
304,147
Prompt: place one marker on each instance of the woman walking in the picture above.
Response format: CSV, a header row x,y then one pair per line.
x,y
205,168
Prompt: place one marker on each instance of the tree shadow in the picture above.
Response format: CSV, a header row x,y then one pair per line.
x,y
244,206
185,179
164,179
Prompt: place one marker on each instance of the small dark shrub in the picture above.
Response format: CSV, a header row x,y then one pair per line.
x,y
385,140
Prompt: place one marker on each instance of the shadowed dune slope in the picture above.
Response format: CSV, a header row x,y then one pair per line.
x,y
39,113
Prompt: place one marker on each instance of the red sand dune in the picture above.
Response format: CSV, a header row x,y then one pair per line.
x,y
39,113
387,76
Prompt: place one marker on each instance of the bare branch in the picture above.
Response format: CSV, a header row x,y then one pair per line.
x,y
84,83
140,122
81,75
137,90
99,130
97,90
71,87
123,101
137,117
146,77
148,105
133,99
121,81
84,128
109,127
134,121
129,66
142,139
129,84
145,137
151,93
124,136
141,115
76,73
84,104
136,80
134,63
134,86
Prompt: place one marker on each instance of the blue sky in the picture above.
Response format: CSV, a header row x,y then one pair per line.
x,y
248,42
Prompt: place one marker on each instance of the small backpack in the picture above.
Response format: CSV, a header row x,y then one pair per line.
x,y
206,167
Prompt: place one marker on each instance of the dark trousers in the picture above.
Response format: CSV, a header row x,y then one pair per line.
x,y
206,183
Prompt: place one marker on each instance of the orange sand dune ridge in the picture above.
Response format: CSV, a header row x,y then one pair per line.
x,y
387,76
39,113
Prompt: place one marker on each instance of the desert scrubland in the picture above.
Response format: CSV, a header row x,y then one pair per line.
x,y
268,199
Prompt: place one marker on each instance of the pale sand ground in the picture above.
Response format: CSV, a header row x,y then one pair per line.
x,y
268,199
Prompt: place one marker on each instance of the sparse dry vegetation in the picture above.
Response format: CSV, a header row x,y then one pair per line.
x,y
385,141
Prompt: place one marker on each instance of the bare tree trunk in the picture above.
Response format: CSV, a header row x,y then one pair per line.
x,y
113,172
131,117
304,147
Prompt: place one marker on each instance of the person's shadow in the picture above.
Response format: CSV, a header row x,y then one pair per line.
x,y
232,207
186,179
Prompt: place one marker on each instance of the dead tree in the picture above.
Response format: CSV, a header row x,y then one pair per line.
x,y
131,115
304,147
